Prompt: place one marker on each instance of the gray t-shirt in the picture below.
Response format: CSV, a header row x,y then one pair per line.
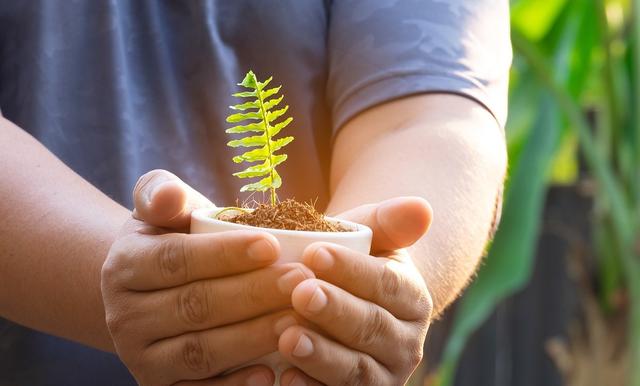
x,y
116,88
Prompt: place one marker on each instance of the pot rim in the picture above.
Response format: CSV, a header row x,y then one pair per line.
x,y
204,215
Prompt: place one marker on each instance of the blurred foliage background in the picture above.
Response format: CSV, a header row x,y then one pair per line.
x,y
573,121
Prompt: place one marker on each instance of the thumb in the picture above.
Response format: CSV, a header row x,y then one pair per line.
x,y
396,223
164,200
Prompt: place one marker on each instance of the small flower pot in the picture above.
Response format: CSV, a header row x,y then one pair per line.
x,y
292,244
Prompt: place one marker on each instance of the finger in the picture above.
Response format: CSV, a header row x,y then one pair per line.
x,y
396,223
207,304
356,323
164,200
249,376
329,362
395,286
295,377
143,262
204,354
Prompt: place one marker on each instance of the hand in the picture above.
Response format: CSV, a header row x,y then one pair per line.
x,y
373,311
182,309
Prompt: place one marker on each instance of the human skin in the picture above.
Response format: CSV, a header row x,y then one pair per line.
x,y
458,167
444,148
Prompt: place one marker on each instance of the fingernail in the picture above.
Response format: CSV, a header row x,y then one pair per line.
x,y
258,379
290,280
297,381
304,347
261,250
284,323
318,301
322,260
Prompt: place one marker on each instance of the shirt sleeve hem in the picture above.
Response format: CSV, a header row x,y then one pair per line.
x,y
396,87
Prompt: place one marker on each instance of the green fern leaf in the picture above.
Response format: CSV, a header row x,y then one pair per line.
x,y
246,106
262,85
255,171
245,94
253,155
280,143
239,117
270,92
271,103
257,127
274,130
273,115
260,110
257,140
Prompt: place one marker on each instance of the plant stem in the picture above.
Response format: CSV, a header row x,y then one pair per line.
x,y
274,198
268,135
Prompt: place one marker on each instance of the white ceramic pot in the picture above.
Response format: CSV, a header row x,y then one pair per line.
x,y
292,244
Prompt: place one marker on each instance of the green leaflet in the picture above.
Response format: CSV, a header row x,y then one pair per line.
x,y
257,127
264,84
260,111
273,115
264,184
271,103
246,106
245,94
262,169
239,117
256,140
280,143
253,155
274,130
269,92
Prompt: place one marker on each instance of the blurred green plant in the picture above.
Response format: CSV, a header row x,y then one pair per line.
x,y
575,85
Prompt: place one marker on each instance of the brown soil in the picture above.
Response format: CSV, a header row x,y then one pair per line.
x,y
288,215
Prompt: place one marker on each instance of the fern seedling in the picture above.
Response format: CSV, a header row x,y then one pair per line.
x,y
259,111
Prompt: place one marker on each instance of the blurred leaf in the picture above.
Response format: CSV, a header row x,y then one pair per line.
x,y
564,167
534,18
508,265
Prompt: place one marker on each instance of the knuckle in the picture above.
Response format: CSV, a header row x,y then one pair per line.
x,y
415,355
253,292
391,282
194,304
374,330
423,304
117,322
361,374
116,260
172,256
195,356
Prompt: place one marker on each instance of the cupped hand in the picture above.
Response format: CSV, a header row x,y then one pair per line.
x,y
183,309
371,312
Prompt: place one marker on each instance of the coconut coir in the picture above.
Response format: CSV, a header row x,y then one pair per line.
x,y
289,215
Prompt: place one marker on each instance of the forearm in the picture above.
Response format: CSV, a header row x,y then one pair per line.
x,y
55,232
444,148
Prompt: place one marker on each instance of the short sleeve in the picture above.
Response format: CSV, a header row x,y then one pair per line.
x,y
380,50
